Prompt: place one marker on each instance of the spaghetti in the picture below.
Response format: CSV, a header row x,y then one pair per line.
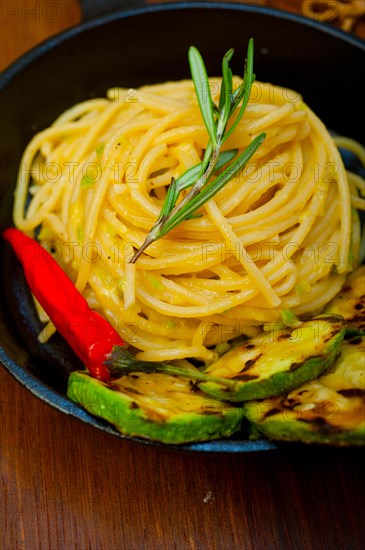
x,y
280,235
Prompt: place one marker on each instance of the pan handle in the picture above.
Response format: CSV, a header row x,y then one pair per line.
x,y
91,9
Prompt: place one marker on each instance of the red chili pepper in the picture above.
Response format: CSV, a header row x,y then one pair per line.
x,y
86,331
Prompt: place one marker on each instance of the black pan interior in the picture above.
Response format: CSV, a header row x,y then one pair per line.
x,y
150,46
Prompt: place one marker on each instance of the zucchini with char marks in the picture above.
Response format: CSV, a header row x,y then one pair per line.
x,y
155,406
350,302
329,410
277,361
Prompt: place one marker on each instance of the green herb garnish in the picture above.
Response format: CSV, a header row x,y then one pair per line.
x,y
99,150
289,318
89,178
87,182
199,177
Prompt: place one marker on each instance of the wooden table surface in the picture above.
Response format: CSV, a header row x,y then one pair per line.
x,y
65,485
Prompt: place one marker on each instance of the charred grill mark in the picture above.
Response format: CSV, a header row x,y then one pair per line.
x,y
271,412
356,340
316,420
134,391
352,392
298,364
332,334
211,412
289,403
248,364
346,288
193,387
295,366
133,405
249,346
113,387
359,310
321,425
284,336
246,377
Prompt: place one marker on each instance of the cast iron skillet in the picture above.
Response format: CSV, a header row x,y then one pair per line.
x,y
129,48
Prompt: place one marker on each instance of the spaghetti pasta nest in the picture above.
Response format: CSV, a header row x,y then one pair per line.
x,y
282,234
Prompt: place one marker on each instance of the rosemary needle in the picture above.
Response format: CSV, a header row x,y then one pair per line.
x,y
200,177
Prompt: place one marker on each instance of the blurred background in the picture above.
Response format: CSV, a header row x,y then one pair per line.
x,y
24,23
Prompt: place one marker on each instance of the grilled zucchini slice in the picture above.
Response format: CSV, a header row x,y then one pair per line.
x,y
275,362
350,302
330,410
156,406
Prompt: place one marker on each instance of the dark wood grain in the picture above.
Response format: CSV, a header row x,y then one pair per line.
x,y
65,485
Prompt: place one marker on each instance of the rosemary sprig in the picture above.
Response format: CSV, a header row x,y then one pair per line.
x,y
216,118
121,362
